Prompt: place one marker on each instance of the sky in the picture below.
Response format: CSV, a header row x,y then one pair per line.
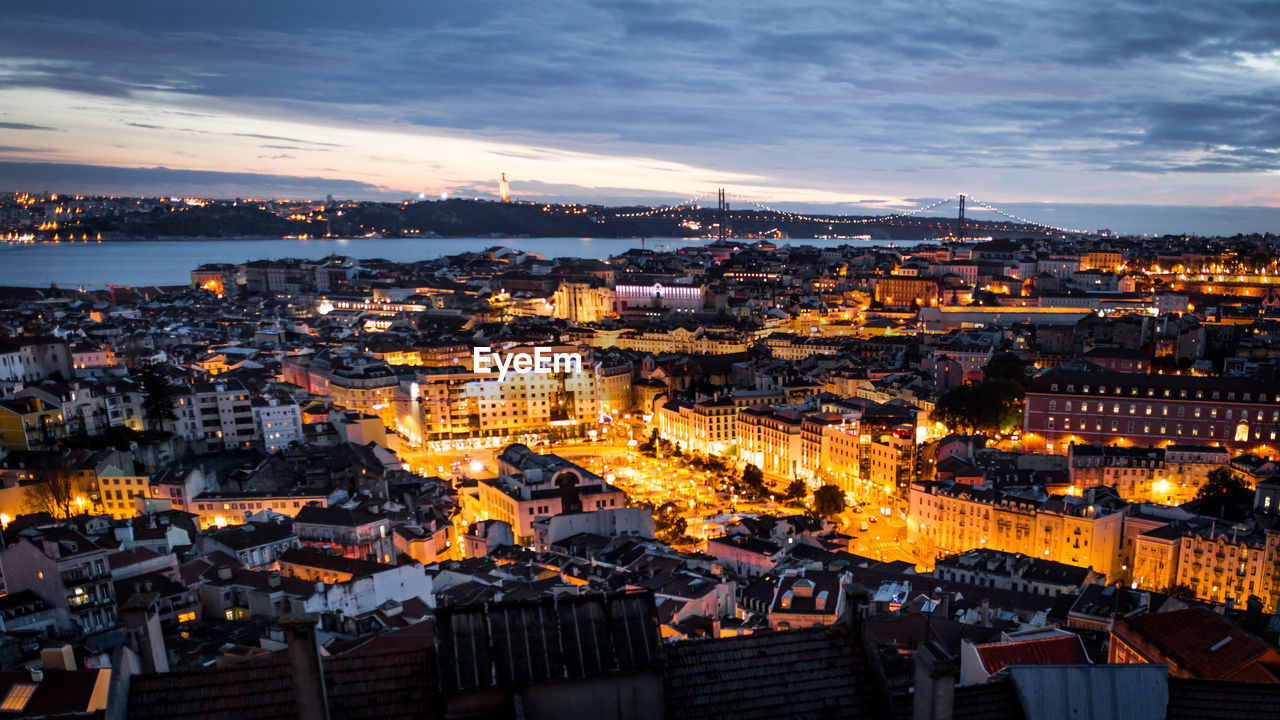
x,y
1131,115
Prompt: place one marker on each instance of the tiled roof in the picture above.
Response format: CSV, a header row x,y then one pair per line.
x,y
370,686
1195,699
812,673
1198,640
988,701
556,638
1048,651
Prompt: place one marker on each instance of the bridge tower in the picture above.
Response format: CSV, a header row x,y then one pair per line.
x,y
960,220
722,217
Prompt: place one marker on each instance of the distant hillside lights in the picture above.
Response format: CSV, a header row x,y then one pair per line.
x,y
542,360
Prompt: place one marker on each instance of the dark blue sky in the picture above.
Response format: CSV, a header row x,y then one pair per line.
x,y
1131,115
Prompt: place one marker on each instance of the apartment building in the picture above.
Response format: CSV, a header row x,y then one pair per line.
x,y
708,426
770,439
277,419
66,569
30,359
1085,530
217,414
220,509
1073,406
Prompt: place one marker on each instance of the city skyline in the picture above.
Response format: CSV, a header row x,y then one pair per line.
x,y
1113,113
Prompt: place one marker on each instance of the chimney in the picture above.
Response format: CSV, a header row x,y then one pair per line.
x,y
306,666
224,572
273,579
142,632
935,682
61,657
37,675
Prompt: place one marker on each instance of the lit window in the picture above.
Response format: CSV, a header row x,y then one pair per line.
x,y
18,697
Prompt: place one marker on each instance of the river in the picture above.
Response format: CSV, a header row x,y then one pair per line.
x,y
169,262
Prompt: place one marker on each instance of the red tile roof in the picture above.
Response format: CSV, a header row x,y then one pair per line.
x,y
1046,651
1200,642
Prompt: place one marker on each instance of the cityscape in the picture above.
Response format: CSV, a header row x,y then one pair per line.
x,y
487,361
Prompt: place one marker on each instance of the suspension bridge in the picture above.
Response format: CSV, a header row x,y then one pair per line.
x,y
962,201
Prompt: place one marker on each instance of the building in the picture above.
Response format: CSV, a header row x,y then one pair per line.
x,y
444,405
220,509
219,414
902,292
1194,643
257,545
30,359
1071,406
657,299
277,419
353,529
68,570
708,427
30,423
771,439
582,302
1014,571
530,486
806,599
1085,530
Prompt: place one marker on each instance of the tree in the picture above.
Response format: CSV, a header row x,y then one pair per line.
x,y
1221,482
668,524
54,492
157,395
994,405
1224,496
753,481
828,501
797,490
1005,366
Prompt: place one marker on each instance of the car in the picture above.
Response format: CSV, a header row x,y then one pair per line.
x,y
873,518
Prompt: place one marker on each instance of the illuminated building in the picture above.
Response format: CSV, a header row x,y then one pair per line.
x,y
770,439
582,302
708,427
1066,406
1169,476
30,423
220,509
1083,531
657,298
454,403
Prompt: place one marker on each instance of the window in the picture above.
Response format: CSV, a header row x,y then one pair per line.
x,y
18,697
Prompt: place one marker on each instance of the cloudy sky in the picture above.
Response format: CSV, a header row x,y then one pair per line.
x,y
1134,115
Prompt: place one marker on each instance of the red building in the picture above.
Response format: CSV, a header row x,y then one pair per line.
x,y
1066,406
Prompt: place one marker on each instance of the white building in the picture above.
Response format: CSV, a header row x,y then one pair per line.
x,y
277,420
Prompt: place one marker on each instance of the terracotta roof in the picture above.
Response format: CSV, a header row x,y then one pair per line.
x,y
811,673
1198,641
1047,651
394,684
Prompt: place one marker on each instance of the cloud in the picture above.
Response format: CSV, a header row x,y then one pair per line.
x,y
23,126
99,179
1034,98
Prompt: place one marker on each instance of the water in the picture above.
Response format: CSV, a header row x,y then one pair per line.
x,y
170,262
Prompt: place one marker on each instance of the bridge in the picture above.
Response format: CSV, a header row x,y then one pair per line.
x,y
963,202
